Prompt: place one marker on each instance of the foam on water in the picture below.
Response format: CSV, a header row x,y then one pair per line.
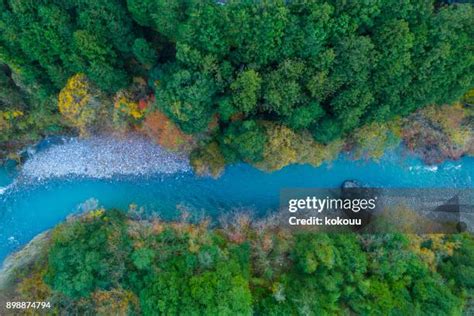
x,y
81,175
5,189
103,157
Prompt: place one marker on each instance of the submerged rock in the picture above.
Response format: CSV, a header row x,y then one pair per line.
x,y
351,184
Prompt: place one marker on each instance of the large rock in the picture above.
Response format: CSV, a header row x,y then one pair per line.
x,y
351,184
21,259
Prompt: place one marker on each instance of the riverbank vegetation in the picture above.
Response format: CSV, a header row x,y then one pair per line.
x,y
110,262
234,80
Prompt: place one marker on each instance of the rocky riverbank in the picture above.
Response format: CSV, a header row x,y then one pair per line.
x,y
103,157
22,259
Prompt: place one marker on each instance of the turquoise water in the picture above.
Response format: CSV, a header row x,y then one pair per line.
x,y
30,207
4,178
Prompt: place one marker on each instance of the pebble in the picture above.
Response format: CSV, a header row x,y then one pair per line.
x,y
104,157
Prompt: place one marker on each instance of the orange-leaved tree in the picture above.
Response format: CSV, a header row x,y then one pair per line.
x,y
166,133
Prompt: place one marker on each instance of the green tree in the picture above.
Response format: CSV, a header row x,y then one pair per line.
x,y
144,52
246,90
88,254
459,268
283,90
244,141
186,97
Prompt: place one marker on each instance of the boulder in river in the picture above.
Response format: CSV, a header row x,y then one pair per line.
x,y
351,184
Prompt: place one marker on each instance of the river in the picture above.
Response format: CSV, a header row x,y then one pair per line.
x,y
74,175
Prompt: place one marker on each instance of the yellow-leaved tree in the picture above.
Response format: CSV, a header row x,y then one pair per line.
x,y
79,103
372,140
208,160
131,104
285,147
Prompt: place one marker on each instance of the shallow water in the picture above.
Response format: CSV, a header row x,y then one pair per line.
x,y
42,196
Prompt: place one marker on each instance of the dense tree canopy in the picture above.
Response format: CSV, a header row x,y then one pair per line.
x,y
327,66
106,262
265,82
320,67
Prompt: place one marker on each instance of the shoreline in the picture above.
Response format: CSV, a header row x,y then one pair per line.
x,y
28,151
238,234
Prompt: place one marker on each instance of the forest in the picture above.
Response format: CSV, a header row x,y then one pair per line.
x,y
111,262
230,81
268,83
